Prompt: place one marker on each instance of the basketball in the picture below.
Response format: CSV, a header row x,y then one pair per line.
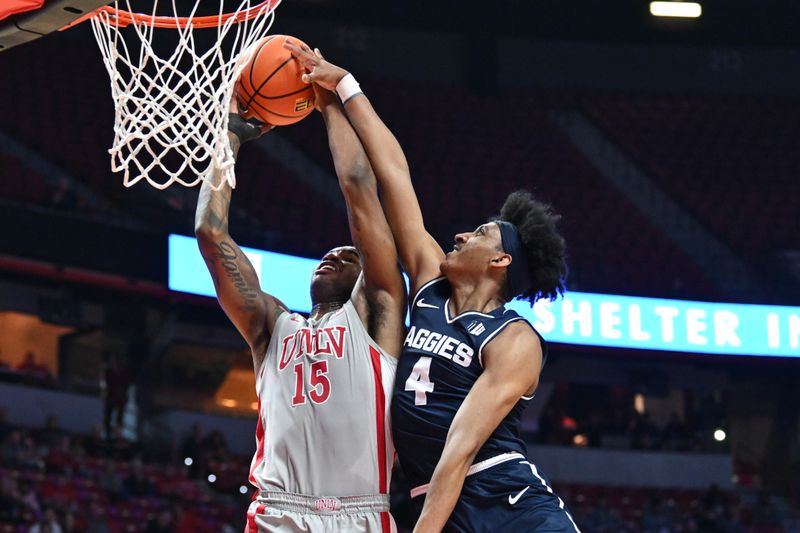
x,y
270,88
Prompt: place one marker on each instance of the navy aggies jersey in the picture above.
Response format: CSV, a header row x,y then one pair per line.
x,y
440,361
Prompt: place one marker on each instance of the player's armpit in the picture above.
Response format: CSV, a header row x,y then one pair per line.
x,y
382,286
512,363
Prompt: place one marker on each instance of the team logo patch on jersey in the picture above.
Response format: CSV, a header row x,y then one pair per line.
x,y
327,504
476,328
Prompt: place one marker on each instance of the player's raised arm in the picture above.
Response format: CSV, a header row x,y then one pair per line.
x,y
252,311
512,363
419,252
380,294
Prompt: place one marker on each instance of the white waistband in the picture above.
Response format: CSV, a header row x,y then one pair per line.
x,y
301,503
474,469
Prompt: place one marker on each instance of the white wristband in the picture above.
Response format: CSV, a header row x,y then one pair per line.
x,y
347,88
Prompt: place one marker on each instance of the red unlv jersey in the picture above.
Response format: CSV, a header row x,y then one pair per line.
x,y
324,390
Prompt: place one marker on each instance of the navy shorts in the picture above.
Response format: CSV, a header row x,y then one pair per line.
x,y
512,497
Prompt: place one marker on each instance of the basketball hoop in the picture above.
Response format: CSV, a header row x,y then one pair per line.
x,y
171,110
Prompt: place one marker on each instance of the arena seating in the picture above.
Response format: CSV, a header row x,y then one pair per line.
x,y
96,482
466,152
280,201
617,508
20,184
714,156
73,130
97,488
84,497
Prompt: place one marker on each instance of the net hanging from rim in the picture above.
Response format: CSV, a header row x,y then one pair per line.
x,y
171,110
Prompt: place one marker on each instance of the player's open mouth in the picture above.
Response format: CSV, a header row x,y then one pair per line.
x,y
326,267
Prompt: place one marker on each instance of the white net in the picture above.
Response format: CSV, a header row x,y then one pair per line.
x,y
171,116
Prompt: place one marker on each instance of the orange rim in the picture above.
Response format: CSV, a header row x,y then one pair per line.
x,y
122,18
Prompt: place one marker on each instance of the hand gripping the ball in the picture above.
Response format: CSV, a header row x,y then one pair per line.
x,y
318,70
245,129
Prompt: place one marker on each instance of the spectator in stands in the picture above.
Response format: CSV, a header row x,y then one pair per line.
x,y
188,522
602,518
713,497
215,448
30,368
764,516
12,506
192,448
114,391
656,517
163,522
594,429
48,523
52,434
644,434
31,453
59,491
19,450
94,443
71,524
11,449
191,444
137,484
28,496
111,482
97,522
5,427
676,434
119,447
78,458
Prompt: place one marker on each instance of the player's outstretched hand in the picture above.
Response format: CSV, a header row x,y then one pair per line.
x,y
319,71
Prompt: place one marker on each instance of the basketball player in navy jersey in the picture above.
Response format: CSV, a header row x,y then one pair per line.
x,y
468,365
324,382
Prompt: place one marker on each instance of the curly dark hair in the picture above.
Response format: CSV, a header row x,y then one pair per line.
x,y
545,248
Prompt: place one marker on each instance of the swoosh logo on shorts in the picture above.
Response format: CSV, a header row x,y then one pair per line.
x,y
514,499
421,303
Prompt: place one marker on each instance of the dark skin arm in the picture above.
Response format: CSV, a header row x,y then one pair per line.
x,y
419,252
380,294
252,311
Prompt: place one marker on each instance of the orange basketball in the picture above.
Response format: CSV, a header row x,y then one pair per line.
x,y
270,88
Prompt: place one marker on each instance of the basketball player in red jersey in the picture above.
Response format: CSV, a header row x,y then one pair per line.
x,y
324,453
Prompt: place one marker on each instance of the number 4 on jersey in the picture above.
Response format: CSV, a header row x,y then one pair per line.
x,y
419,381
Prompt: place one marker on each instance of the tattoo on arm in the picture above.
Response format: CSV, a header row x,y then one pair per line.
x,y
253,312
228,255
